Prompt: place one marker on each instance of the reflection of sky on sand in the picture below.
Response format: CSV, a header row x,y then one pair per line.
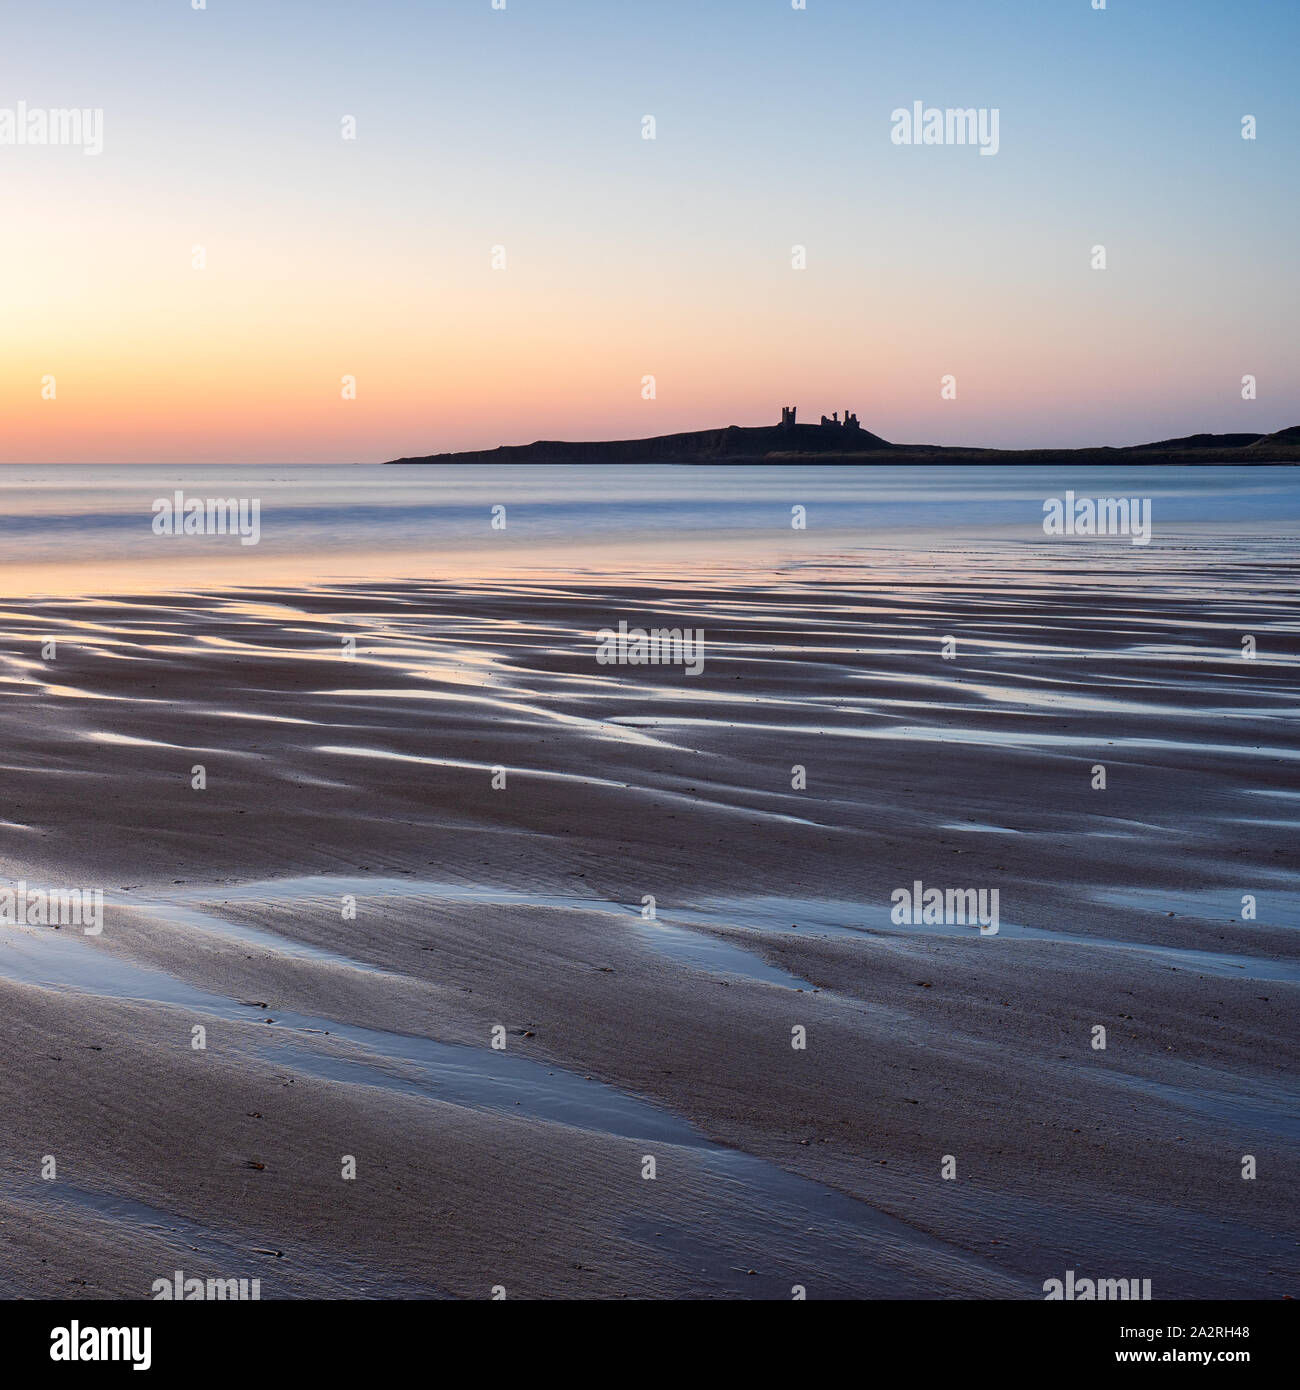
x,y
850,651
686,933
1273,908
504,1082
1005,738
693,799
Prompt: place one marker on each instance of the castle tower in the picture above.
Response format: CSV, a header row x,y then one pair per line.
x,y
787,416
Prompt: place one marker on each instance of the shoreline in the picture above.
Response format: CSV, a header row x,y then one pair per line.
x,y
897,457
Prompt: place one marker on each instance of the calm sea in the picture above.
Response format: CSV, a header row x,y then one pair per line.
x,y
72,529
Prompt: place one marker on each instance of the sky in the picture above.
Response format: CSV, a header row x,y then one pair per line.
x,y
522,128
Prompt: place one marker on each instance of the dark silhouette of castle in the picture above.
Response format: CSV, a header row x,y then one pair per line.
x,y
850,421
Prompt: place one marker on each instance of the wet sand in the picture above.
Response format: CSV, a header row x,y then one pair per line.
x,y
372,777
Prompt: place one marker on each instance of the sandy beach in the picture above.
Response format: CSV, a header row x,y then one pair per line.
x,y
451,758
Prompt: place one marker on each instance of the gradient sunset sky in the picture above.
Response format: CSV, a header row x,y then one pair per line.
x,y
626,257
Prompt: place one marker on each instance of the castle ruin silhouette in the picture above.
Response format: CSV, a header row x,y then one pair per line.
x,y
849,422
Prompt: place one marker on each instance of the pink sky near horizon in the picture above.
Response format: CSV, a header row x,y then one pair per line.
x,y
228,365
243,361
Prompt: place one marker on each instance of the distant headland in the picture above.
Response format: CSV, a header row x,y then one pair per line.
x,y
836,440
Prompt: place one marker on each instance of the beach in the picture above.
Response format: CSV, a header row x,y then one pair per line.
x,y
593,971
